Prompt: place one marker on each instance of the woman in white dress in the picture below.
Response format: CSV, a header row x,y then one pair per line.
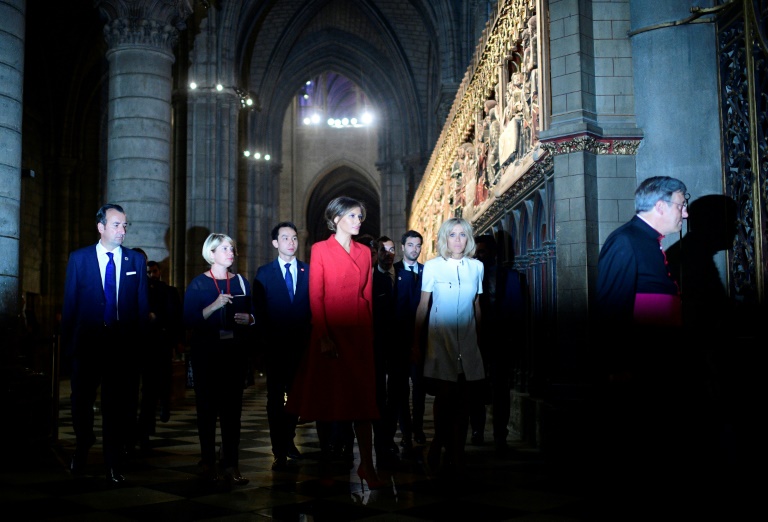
x,y
453,367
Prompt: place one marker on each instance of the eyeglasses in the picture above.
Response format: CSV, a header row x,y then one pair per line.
x,y
680,206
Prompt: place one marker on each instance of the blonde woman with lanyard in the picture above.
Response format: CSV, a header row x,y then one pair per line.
x,y
218,309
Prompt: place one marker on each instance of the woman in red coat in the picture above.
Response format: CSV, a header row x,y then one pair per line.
x,y
336,379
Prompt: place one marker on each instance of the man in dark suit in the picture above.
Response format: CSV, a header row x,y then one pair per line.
x,y
502,335
104,316
164,332
281,293
408,294
384,350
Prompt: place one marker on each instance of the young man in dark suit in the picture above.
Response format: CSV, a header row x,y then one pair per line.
x,y
104,317
408,295
281,293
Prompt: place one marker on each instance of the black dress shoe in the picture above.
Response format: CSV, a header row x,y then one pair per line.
x,y
113,477
77,465
293,452
165,413
208,473
280,464
387,459
407,446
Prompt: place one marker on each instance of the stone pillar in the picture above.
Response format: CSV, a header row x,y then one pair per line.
x,y
140,38
263,184
593,137
413,166
393,199
12,25
213,150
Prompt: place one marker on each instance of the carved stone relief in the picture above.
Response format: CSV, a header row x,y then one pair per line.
x,y
493,123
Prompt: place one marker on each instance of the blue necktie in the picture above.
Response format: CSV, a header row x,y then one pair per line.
x,y
289,280
110,291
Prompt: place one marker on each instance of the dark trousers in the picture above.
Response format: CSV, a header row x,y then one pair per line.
x,y
219,374
382,433
282,425
451,416
418,397
398,407
496,393
156,375
117,375
501,387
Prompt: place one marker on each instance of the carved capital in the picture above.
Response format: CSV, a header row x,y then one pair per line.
x,y
143,22
589,143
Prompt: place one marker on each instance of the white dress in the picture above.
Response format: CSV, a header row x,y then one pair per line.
x,y
452,333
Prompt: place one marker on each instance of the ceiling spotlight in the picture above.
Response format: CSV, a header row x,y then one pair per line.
x,y
219,87
192,85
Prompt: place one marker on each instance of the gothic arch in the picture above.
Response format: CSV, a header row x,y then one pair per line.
x,y
390,91
338,180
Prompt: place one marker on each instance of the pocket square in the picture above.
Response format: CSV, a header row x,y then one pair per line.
x,y
130,273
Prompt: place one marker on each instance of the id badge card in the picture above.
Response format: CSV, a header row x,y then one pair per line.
x,y
226,334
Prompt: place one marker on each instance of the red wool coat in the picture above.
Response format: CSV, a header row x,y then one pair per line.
x,y
340,290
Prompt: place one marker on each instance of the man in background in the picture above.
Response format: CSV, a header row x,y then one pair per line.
x,y
503,332
408,294
384,349
165,332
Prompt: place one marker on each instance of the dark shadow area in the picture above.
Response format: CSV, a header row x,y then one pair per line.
x,y
722,381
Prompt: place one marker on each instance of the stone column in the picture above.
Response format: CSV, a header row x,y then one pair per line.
x,y
393,199
593,137
12,25
140,37
259,215
213,150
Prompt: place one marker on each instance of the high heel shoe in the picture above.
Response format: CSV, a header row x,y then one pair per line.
x,y
232,476
373,480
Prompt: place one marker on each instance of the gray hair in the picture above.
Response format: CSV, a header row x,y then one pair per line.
x,y
654,189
